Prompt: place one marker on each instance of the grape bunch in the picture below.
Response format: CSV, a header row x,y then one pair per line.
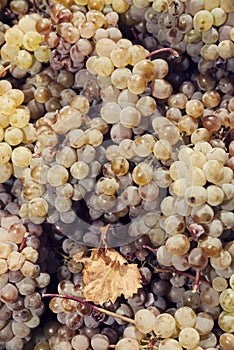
x,y
116,132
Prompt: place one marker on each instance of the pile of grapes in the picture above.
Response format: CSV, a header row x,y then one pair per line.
x,y
117,116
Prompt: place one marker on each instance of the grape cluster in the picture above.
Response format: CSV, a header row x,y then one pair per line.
x,y
21,275
117,115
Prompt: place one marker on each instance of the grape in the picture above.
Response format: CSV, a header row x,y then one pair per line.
x,y
164,325
144,321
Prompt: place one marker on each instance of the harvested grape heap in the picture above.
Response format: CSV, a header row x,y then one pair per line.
x,y
116,175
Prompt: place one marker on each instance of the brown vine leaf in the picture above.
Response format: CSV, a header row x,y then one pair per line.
x,y
107,275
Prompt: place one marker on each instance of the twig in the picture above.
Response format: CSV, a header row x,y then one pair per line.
x,y
174,271
164,49
96,308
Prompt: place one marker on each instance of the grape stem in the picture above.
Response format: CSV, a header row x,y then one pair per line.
x,y
23,243
164,49
196,278
6,69
96,308
134,33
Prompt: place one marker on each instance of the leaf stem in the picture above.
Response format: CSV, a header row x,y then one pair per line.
x,y
96,308
164,49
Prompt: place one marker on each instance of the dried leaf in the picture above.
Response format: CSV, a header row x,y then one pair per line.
x,y
107,275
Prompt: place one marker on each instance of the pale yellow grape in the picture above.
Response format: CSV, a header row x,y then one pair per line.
x,y
15,261
120,57
219,16
95,137
29,134
120,6
127,343
142,174
137,53
126,98
222,262
5,172
217,153
194,108
189,337
120,78
185,317
169,344
8,52
27,23
103,66
145,68
231,281
203,21
126,148
178,170
162,150
180,186
90,64
200,134
5,152
195,196
137,84
62,204
16,95
1,133
23,59
213,170
144,321
197,159
21,156
227,300
164,325
143,146
226,49
7,105
211,4
219,284
227,176
130,117
146,105
178,244
160,6
204,323
5,86
195,176
20,118
125,43
38,207
141,3
110,112
42,54
132,332
57,175
66,157
203,147
14,36
184,154
226,321
104,47
79,170
13,136
215,195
